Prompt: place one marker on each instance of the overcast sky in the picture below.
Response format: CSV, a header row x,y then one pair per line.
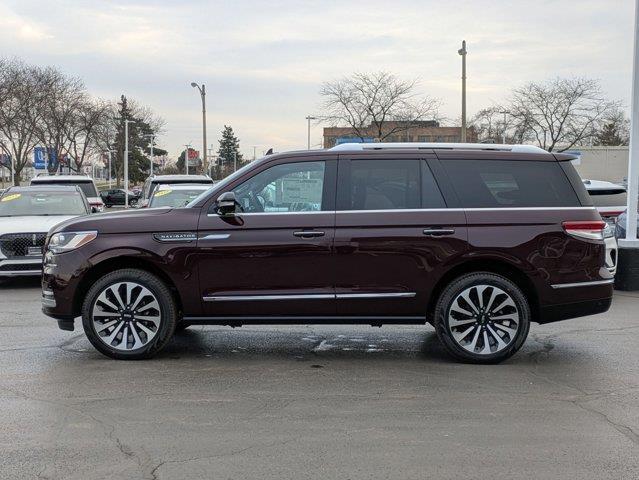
x,y
263,61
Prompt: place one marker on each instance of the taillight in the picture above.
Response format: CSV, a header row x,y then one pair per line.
x,y
593,230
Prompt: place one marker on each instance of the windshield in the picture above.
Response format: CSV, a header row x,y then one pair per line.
x,y
88,188
176,198
41,203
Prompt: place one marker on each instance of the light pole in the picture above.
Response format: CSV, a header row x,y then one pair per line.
x,y
308,119
462,51
126,162
108,152
152,136
186,157
202,89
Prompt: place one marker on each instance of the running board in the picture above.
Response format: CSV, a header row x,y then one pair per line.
x,y
238,321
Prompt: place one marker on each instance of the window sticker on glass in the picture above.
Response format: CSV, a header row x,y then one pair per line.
x,y
161,193
13,196
297,190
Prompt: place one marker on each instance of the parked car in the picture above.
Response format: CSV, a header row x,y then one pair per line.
x,y
152,183
26,215
86,184
176,195
116,196
609,198
460,236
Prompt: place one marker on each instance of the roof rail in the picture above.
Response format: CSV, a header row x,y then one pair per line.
x,y
439,146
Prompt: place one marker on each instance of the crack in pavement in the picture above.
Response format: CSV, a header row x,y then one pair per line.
x,y
625,430
155,470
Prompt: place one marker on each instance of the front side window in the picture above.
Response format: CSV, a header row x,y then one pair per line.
x,y
289,187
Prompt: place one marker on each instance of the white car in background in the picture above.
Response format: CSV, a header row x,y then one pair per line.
x,y
610,200
85,184
26,216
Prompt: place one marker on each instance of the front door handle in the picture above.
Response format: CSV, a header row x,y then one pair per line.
x,y
438,231
308,234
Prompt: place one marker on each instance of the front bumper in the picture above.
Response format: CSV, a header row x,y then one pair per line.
x,y
21,267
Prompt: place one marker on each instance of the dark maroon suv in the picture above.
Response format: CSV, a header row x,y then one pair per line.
x,y
478,240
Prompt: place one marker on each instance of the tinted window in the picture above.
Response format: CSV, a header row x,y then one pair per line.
x,y
88,188
290,187
383,185
496,183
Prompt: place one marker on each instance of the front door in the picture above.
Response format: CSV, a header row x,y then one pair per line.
x,y
394,235
274,257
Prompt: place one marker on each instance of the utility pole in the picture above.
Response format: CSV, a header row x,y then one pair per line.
x,y
110,179
152,136
234,161
462,51
308,119
202,89
126,162
254,148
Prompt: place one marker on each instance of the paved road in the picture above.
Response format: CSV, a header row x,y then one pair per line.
x,y
318,402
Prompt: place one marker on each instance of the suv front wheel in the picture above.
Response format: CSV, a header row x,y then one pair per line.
x,y
129,314
482,318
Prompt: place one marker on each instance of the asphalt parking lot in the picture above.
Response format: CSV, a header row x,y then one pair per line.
x,y
318,402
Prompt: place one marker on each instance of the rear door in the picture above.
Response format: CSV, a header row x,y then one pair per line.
x,y
394,235
274,258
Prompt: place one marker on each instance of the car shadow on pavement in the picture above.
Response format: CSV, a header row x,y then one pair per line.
x,y
301,345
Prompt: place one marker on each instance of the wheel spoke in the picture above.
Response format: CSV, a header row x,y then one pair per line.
x,y
486,349
466,296
106,325
500,342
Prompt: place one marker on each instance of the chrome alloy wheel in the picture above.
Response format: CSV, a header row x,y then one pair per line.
x,y
483,319
126,316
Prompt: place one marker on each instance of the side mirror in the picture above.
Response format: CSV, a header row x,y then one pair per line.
x,y
226,204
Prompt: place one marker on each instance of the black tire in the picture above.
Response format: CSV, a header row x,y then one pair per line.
x,y
168,313
452,293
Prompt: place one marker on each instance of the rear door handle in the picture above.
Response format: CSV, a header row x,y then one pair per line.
x,y
438,231
308,234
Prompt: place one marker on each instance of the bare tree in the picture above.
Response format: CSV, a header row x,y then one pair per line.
x,y
82,134
22,101
375,101
560,113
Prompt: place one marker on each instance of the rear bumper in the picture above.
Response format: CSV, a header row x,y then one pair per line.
x,y
594,297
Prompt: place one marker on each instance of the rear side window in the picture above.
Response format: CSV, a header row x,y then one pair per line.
x,y
388,185
508,183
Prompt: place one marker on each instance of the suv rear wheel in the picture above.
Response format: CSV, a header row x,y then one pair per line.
x,y
482,318
129,314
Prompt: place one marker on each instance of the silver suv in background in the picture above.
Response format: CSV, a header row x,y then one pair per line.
x,y
85,184
26,216
152,183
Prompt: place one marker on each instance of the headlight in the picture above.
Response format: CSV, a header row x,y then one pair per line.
x,y
67,241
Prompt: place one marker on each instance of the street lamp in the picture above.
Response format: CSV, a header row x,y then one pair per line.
x,y
308,119
108,152
126,162
202,89
462,51
152,136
